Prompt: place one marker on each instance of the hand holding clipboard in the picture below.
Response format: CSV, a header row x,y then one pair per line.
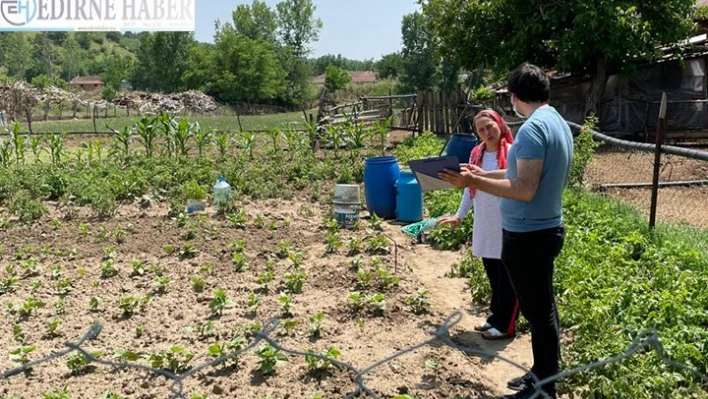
x,y
427,171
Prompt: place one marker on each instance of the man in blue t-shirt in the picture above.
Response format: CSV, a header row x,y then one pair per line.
x,y
533,234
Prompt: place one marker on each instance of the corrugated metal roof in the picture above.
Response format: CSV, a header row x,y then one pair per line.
x,y
86,80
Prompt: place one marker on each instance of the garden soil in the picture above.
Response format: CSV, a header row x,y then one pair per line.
x,y
142,233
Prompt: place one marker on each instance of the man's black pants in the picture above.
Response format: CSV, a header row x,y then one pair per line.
x,y
529,261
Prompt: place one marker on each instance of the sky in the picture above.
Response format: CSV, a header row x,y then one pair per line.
x,y
356,29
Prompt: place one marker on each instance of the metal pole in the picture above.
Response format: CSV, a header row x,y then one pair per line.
x,y
657,161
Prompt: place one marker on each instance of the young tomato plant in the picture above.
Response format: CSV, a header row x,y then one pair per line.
x,y
294,281
316,321
377,245
318,365
254,302
224,349
287,303
264,279
420,302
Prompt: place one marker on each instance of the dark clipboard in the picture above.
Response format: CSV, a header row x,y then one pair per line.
x,y
426,171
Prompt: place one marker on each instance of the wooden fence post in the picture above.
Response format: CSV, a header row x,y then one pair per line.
x,y
657,161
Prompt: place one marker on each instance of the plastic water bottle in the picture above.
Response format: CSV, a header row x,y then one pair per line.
x,y
223,194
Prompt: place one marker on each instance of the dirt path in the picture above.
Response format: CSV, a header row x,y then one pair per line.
x,y
451,294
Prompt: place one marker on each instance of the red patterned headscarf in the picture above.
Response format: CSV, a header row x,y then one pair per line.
x,y
505,140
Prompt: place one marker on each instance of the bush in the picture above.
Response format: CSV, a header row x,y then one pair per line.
x,y
27,208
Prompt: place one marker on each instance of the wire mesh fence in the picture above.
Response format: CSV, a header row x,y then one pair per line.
x,y
647,340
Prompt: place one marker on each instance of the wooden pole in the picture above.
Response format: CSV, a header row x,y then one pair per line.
x,y
660,130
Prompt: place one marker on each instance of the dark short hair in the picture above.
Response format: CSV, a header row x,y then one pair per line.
x,y
530,84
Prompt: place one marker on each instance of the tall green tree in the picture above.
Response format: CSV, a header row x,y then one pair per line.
x,y
163,60
44,54
243,69
73,58
257,21
15,54
420,63
297,29
588,38
116,69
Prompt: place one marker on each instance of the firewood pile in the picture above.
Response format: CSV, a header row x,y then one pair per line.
x,y
193,101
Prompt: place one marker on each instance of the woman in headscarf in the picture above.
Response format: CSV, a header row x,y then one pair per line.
x,y
490,155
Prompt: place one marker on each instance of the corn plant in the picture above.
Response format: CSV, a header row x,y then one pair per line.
x,y
146,129
203,139
18,143
5,153
271,359
336,137
382,132
249,141
274,135
317,364
294,140
181,138
223,142
36,148
122,139
56,148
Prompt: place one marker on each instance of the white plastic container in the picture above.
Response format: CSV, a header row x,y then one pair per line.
x,y
347,204
223,194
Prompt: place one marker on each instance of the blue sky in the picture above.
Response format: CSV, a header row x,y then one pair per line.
x,y
357,29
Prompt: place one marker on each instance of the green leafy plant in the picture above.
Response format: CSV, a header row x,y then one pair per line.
x,y
175,359
26,308
161,283
287,304
357,299
238,219
219,302
52,327
65,285
386,280
316,322
239,261
108,269
21,354
58,394
198,284
111,395
583,151
221,350
271,359
294,281
319,365
377,245
333,243
139,330
254,302
223,143
188,251
420,302
78,363
264,279
355,246
18,333
94,303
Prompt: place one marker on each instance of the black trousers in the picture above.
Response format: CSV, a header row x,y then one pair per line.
x,y
504,306
529,260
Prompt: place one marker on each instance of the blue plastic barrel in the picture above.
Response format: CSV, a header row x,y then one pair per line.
x,y
380,175
461,145
409,198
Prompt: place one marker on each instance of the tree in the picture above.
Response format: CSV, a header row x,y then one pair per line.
x,y
587,38
44,55
389,66
116,69
257,21
297,28
15,54
72,58
336,78
419,60
163,59
241,69
298,25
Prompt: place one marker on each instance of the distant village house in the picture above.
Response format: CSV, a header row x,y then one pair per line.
x,y
87,83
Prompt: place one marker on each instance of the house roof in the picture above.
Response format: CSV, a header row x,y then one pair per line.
x,y
86,80
357,77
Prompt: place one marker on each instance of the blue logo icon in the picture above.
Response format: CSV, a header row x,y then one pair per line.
x,y
18,12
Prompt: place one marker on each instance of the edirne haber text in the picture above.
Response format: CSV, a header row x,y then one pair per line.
x,y
106,10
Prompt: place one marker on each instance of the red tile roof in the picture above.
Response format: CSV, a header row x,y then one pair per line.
x,y
86,80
